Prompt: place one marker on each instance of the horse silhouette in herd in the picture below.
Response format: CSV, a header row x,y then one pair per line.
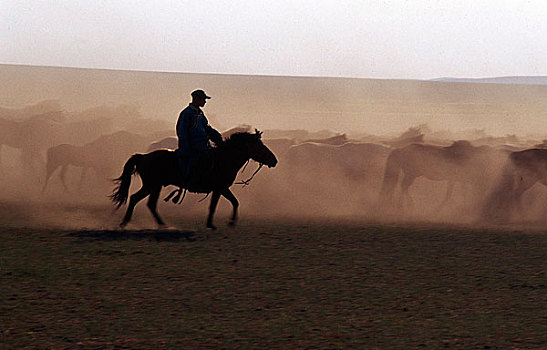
x,y
490,180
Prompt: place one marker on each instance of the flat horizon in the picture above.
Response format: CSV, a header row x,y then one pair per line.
x,y
434,79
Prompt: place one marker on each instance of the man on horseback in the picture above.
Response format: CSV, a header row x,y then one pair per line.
x,y
194,134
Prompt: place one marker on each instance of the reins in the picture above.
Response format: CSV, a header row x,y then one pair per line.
x,y
175,195
246,182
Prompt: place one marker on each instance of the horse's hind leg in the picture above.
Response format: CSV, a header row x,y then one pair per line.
x,y
64,168
133,200
152,204
212,207
447,197
524,183
235,204
82,176
49,171
405,196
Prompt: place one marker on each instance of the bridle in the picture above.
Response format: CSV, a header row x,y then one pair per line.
x,y
246,182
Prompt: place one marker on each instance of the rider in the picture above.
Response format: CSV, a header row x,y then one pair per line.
x,y
194,133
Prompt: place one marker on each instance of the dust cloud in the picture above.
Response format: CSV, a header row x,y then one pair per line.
x,y
357,149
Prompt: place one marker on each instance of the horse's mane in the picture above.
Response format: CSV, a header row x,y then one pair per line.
x,y
460,146
237,139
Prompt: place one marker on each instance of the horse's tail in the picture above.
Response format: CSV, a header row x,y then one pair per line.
x,y
391,176
121,192
498,204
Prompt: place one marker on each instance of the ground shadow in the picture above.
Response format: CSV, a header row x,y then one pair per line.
x,y
136,235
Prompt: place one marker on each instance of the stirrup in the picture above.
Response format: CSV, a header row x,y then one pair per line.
x,y
171,194
175,195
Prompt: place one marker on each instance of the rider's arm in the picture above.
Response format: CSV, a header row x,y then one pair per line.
x,y
213,134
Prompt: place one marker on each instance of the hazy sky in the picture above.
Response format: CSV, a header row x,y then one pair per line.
x,y
415,39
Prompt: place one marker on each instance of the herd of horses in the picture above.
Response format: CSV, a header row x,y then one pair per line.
x,y
492,179
495,179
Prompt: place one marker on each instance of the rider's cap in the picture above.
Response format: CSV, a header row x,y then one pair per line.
x,y
199,93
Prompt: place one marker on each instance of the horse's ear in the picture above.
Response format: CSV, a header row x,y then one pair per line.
x,y
258,133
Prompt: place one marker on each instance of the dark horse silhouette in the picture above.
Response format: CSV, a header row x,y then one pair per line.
x,y
160,168
522,170
460,162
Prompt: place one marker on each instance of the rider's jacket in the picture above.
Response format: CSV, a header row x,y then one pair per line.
x,y
194,131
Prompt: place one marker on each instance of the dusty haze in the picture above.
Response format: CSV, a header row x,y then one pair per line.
x,y
332,137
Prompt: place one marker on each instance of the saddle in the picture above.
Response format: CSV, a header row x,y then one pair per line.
x,y
195,176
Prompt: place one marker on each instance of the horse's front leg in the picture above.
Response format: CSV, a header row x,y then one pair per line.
x,y
447,197
212,208
235,204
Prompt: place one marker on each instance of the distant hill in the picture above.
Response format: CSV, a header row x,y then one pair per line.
x,y
342,105
537,80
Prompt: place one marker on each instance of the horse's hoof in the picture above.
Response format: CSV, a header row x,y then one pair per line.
x,y
232,223
162,227
211,227
122,225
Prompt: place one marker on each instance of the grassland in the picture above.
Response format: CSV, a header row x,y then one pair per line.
x,y
273,284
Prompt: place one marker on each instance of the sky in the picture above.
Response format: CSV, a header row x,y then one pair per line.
x,y
415,39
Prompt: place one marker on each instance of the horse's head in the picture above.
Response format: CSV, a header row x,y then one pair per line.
x,y
256,150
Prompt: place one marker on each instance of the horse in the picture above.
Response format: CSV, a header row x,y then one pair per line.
x,y
160,168
167,142
30,136
280,146
522,170
100,155
62,156
351,160
412,135
34,135
335,179
336,140
460,162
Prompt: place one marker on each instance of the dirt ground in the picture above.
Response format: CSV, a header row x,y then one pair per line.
x,y
270,283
